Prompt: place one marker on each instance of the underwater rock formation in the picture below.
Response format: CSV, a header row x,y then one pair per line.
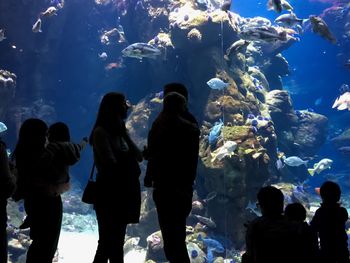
x,y
311,132
202,45
7,90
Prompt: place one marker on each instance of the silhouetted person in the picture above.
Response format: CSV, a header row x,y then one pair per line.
x,y
59,154
181,89
42,210
296,212
329,222
7,186
272,238
173,143
118,197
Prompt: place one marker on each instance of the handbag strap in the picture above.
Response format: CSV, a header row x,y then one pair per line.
x,y
92,172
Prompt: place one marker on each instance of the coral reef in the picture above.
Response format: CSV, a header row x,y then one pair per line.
x,y
205,44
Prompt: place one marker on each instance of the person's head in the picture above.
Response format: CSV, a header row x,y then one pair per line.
x,y
174,103
176,87
58,132
270,200
32,137
330,192
111,113
295,212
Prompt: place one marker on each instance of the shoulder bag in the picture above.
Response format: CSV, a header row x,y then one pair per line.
x,y
89,194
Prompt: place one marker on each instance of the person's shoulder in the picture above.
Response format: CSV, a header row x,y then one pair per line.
x,y
343,212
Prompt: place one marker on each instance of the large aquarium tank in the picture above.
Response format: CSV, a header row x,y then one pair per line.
x,y
267,82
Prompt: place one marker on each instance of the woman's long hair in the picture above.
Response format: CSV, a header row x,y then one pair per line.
x,y
110,114
31,141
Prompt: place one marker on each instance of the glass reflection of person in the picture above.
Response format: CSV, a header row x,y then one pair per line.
x,y
116,158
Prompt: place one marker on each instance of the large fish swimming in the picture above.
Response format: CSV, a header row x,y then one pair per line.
x,y
141,50
320,27
320,166
266,34
226,150
294,161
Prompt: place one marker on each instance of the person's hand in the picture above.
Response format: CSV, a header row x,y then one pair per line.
x,y
84,141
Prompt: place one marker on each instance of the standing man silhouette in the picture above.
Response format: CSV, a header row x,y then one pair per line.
x,y
173,144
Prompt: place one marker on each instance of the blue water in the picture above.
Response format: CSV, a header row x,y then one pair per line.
x,y
74,79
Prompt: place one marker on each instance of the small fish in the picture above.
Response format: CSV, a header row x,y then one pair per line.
x,y
318,190
226,6
343,102
51,11
37,26
252,208
2,35
141,50
263,33
344,150
103,56
279,164
207,221
114,65
294,161
320,166
289,20
238,46
286,6
216,83
2,127
210,197
215,132
275,5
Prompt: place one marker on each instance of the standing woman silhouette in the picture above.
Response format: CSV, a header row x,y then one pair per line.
x,y
44,211
116,158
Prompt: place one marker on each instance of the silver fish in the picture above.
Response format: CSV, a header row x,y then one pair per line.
x,y
266,34
141,50
207,221
289,20
294,161
216,83
37,26
2,35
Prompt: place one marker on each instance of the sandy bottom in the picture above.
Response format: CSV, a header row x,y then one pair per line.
x,y
77,247
80,247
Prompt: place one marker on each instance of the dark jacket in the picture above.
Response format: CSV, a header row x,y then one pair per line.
x,y
273,240
118,173
329,223
7,180
173,144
